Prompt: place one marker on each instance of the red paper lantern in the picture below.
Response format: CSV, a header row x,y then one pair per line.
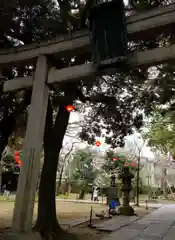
x,y
70,108
133,164
17,158
98,143
16,153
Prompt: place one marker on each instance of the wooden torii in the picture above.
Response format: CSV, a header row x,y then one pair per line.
x,y
138,26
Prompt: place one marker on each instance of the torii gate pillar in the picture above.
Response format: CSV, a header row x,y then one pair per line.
x,y
25,197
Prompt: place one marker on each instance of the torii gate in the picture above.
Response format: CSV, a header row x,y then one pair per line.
x,y
138,26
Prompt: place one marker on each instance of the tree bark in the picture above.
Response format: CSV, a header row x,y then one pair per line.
x,y
1,167
47,224
62,169
165,185
83,191
60,180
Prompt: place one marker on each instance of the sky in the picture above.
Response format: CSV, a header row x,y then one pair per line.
x,y
132,142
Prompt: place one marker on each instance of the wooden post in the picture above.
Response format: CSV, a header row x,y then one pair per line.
x,y
27,183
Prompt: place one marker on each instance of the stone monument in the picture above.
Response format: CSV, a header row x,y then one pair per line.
x,y
126,177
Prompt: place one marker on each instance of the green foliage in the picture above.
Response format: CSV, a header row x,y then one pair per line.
x,y
110,164
115,161
160,132
83,169
8,163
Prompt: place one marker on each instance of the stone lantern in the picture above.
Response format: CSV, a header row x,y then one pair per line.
x,y
126,177
108,33
113,178
112,193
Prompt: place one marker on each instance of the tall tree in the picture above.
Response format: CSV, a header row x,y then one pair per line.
x,y
61,166
161,138
84,170
160,132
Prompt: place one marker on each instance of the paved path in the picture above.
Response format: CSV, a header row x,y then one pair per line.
x,y
115,223
158,225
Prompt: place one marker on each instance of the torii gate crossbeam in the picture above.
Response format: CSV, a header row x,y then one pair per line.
x,y
139,26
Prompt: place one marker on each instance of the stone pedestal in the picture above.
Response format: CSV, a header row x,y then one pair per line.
x,y
126,210
112,194
126,177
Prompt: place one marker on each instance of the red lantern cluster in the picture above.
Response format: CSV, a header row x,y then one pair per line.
x,y
17,158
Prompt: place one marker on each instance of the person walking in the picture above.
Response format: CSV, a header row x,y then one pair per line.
x,y
95,195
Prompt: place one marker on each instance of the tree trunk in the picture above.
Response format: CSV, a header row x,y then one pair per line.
x,y
62,169
165,185
47,224
60,180
1,167
83,191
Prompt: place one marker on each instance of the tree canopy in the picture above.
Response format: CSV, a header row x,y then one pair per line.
x,y
82,166
83,169
116,160
160,132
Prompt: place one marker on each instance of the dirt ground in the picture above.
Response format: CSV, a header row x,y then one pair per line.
x,y
68,211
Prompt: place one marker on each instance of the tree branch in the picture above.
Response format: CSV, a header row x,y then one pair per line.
x,y
98,98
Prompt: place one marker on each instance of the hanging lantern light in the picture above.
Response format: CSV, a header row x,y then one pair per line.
x,y
98,143
70,108
17,159
108,33
133,164
20,163
16,153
